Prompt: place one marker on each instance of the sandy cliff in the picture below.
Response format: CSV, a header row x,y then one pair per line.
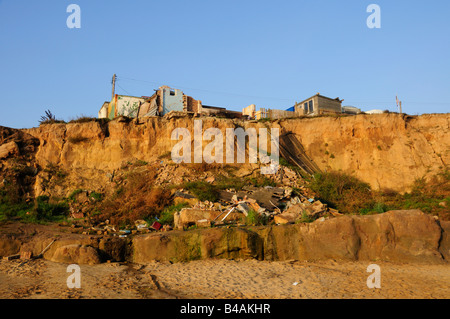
x,y
388,151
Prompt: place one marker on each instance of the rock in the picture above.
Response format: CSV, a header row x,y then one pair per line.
x,y
399,236
334,212
183,200
292,214
203,223
9,245
444,246
316,209
210,179
76,254
229,243
8,149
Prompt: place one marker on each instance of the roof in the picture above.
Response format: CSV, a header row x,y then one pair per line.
x,y
322,96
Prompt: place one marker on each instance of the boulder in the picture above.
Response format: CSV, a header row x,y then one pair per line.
x,y
183,198
290,215
9,245
444,246
399,236
8,149
76,254
178,246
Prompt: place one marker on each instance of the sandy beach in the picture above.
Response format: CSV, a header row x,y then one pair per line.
x,y
223,279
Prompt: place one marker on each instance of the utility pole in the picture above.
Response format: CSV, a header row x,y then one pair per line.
x,y
399,104
113,87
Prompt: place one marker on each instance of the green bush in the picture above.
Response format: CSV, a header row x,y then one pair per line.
x,y
203,190
166,216
343,192
50,211
96,196
376,208
74,194
255,219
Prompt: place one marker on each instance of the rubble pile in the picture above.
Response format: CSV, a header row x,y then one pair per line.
x,y
277,205
291,202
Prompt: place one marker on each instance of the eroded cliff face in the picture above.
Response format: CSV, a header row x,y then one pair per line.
x,y
388,151
385,150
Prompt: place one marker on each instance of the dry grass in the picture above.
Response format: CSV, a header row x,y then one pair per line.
x,y
136,199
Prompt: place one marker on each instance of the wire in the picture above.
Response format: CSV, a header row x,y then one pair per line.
x,y
209,91
123,89
381,101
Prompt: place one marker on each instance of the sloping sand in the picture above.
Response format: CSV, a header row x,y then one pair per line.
x,y
223,279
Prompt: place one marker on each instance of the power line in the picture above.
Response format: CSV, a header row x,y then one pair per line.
x,y
123,89
383,100
209,91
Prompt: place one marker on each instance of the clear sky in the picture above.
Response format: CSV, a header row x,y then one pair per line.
x,y
226,53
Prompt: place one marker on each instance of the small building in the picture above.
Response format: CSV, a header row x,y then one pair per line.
x,y
164,100
122,105
103,113
249,111
319,104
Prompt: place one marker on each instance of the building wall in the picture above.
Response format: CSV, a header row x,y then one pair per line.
x,y
128,105
149,107
318,104
326,105
172,100
103,113
249,110
124,105
261,114
280,114
299,109
191,104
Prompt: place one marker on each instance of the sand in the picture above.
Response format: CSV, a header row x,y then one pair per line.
x,y
223,279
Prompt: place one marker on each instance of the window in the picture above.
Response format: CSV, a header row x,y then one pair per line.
x,y
305,106
311,109
172,92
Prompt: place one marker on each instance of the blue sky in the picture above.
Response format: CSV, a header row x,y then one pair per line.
x,y
225,53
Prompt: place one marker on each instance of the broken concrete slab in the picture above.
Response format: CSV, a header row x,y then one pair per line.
x,y
189,216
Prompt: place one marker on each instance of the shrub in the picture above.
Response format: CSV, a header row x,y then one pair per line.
x,y
166,216
83,119
137,198
49,118
255,219
343,192
96,196
74,194
203,190
49,211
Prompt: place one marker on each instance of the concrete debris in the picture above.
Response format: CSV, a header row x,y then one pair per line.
x,y
275,205
243,207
